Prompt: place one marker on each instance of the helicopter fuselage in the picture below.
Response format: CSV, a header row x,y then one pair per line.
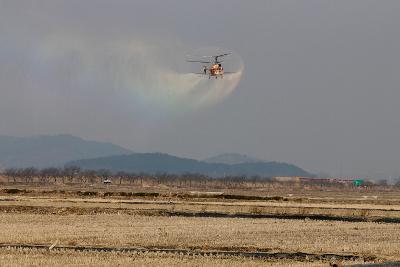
x,y
216,70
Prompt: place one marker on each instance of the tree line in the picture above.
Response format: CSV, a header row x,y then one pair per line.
x,y
74,174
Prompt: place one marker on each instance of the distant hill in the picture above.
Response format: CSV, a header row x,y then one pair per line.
x,y
163,163
232,158
45,151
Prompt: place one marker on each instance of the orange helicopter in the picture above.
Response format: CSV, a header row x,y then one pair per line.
x,y
215,69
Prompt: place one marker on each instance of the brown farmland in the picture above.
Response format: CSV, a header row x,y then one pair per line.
x,y
103,225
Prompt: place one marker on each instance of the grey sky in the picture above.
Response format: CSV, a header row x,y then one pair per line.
x,y
320,87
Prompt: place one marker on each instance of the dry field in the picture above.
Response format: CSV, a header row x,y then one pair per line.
x,y
28,257
189,228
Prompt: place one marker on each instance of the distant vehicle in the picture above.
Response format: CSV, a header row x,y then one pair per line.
x,y
107,181
215,69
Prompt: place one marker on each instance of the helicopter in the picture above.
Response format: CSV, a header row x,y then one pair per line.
x,y
215,69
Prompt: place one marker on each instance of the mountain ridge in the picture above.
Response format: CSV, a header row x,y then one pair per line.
x,y
232,158
153,163
51,150
63,150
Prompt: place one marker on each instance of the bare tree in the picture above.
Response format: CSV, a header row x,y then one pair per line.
x,y
89,176
48,174
11,173
29,174
70,172
383,182
122,175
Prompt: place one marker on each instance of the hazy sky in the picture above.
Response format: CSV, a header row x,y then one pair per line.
x,y
320,86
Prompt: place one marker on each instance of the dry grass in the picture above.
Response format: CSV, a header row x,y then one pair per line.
x,y
231,207
287,203
116,222
28,257
329,194
209,233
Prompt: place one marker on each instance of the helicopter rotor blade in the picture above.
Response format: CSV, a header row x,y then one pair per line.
x,y
223,55
199,61
214,56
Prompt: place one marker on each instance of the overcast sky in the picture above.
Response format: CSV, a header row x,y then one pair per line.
x,y
319,89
